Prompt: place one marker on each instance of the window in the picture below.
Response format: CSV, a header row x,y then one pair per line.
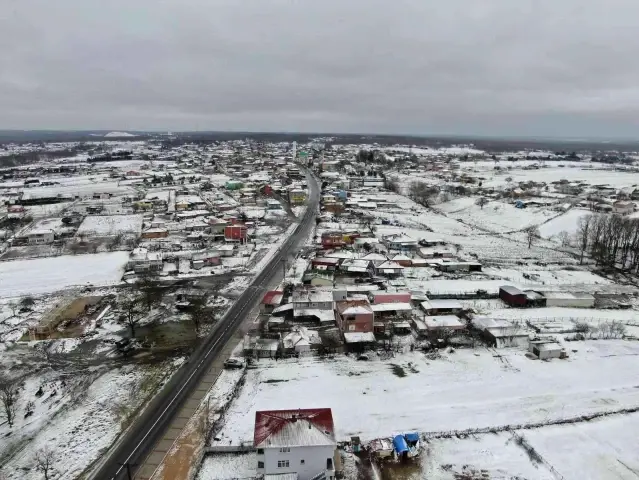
x,y
282,464
351,328
260,451
260,464
285,449
302,461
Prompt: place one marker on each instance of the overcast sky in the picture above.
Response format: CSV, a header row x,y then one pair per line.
x,y
489,67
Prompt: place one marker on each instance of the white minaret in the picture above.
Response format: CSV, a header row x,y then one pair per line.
x,y
294,150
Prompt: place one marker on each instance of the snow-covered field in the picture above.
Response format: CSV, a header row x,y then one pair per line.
x,y
77,419
607,448
568,222
46,275
110,225
464,389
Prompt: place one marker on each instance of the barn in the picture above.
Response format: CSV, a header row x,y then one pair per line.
x,y
512,296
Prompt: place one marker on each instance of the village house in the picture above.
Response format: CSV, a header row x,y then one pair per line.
x,y
501,333
297,196
325,263
623,207
235,233
301,341
400,242
141,260
441,307
154,232
390,269
271,300
354,316
437,324
300,442
314,303
40,237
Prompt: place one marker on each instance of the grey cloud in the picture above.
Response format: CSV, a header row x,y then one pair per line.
x,y
405,66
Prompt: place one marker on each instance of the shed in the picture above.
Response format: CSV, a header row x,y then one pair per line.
x,y
512,296
546,349
441,307
569,299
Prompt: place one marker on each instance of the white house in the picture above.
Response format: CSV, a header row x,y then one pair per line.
x,y
142,260
300,442
40,237
623,207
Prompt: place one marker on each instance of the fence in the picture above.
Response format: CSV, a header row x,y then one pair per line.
x,y
243,448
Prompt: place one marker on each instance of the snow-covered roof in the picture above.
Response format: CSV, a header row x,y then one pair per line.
x,y
322,315
390,265
443,321
359,337
353,307
312,296
301,336
441,304
294,428
391,307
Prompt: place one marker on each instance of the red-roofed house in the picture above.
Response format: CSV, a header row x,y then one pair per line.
x,y
271,301
295,441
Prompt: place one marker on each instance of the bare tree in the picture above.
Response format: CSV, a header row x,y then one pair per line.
x,y
131,314
44,460
532,234
583,235
13,306
392,184
564,238
481,201
198,313
9,393
151,291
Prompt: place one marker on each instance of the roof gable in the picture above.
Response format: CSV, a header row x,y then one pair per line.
x,y
311,426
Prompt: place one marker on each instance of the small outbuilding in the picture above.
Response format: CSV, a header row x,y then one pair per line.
x,y
546,349
512,296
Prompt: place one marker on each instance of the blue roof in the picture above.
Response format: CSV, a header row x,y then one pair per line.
x,y
412,437
399,442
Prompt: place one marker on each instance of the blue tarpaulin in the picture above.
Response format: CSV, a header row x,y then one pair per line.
x,y
399,442
412,437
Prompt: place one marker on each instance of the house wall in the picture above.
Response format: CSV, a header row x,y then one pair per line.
x,y
41,239
314,461
357,323
571,302
512,341
390,298
519,300
162,234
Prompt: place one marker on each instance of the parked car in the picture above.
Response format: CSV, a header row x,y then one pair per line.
x,y
233,363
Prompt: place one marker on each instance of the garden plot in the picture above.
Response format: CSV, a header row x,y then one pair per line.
x,y
567,222
231,466
46,275
110,225
589,315
462,390
610,177
535,278
496,454
499,217
600,449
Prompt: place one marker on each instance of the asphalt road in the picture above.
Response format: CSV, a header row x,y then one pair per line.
x,y
148,428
